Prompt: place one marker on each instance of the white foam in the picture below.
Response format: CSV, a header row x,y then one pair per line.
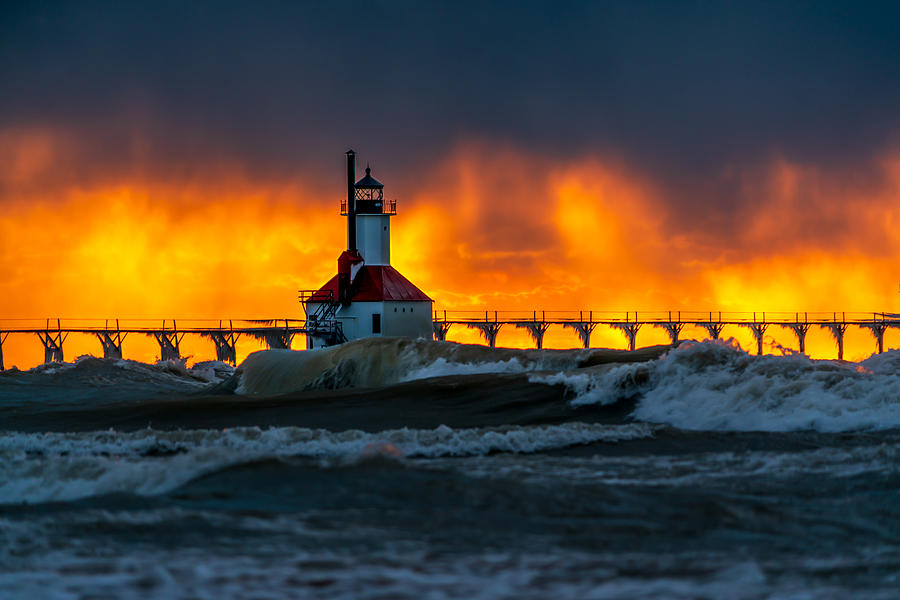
x,y
715,386
886,363
385,361
68,466
598,385
211,371
442,368
54,368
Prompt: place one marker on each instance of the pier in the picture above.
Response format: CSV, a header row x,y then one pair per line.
x,y
489,324
279,333
168,333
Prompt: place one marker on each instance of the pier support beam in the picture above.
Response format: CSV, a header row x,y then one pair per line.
x,y
759,330
673,328
630,330
226,346
112,343
279,340
837,330
799,330
53,345
440,330
714,329
584,331
877,328
3,337
489,330
537,329
169,342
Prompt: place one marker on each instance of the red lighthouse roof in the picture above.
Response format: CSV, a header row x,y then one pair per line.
x,y
378,283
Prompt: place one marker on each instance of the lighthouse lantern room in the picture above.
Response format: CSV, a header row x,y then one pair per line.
x,y
373,220
368,297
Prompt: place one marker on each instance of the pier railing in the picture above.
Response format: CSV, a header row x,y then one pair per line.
x,y
168,333
602,317
489,323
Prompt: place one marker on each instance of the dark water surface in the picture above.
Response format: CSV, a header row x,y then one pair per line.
x,y
397,469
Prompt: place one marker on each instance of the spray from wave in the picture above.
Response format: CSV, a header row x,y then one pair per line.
x,y
385,361
711,386
716,386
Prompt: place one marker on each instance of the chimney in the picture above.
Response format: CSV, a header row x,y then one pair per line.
x,y
351,201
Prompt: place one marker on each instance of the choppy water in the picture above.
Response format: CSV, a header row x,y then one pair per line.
x,y
398,469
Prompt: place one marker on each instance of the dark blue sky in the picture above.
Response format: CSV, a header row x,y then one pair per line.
x,y
680,90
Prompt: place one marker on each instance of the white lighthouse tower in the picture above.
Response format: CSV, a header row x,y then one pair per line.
x,y
368,297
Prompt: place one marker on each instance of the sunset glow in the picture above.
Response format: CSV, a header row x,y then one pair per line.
x,y
489,228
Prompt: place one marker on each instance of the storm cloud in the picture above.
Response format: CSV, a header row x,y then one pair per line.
x,y
683,91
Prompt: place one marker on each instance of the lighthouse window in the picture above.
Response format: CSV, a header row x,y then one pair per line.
x,y
395,309
376,323
385,228
404,310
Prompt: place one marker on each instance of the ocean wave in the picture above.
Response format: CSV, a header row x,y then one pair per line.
x,y
385,361
703,468
716,386
101,381
112,371
69,466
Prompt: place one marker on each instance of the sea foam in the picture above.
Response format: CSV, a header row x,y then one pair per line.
x,y
716,386
69,466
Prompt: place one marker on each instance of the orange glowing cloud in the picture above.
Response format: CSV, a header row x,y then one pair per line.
x,y
598,236
490,228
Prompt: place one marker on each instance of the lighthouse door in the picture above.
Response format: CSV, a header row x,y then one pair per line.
x,y
376,323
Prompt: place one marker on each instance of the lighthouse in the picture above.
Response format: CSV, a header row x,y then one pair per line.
x,y
367,297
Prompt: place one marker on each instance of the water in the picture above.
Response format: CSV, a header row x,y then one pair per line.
x,y
398,469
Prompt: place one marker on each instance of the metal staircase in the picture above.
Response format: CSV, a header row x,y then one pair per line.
x,y
323,321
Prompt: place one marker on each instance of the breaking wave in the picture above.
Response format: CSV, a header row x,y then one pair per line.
x,y
114,371
385,361
89,380
700,386
716,386
69,466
